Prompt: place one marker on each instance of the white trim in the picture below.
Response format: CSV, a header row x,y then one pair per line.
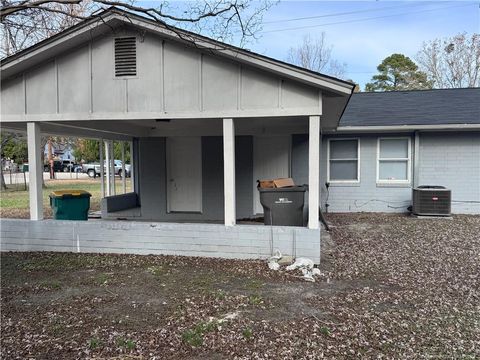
x,y
132,166
107,167
229,172
188,114
358,162
102,169
313,172
396,128
112,165
35,171
408,160
124,173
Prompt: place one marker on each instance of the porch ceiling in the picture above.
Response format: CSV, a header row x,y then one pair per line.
x,y
127,129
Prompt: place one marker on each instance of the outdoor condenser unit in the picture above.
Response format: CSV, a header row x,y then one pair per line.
x,y
432,200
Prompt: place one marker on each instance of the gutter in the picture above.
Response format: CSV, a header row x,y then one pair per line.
x,y
400,128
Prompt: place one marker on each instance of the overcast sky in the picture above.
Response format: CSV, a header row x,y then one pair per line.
x,y
370,32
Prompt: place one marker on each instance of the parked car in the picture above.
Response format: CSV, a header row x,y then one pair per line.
x,y
93,170
70,166
57,166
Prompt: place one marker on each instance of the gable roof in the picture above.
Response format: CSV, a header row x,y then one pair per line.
x,y
99,23
409,108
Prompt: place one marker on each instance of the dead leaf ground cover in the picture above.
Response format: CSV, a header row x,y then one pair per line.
x,y
392,287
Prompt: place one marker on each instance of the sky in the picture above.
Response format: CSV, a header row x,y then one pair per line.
x,y
371,31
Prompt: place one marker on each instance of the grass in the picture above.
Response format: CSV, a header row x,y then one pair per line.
x,y
194,337
247,333
255,299
157,270
94,343
102,279
54,285
14,203
126,343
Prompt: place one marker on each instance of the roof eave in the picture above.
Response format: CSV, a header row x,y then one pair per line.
x,y
401,128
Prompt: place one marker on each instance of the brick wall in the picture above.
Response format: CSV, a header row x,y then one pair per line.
x,y
453,160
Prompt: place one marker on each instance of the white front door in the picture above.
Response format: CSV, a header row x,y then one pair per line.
x,y
271,160
184,174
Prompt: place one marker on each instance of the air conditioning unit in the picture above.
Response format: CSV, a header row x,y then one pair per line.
x,y
431,200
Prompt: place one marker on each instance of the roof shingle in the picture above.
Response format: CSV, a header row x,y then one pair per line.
x,y
422,107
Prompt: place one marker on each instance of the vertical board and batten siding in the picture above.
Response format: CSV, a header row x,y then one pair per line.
x,y
171,79
128,237
71,83
453,160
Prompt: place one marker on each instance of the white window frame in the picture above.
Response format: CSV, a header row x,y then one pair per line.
x,y
408,159
357,181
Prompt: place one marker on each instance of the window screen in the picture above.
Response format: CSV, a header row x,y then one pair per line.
x,y
393,160
126,56
343,160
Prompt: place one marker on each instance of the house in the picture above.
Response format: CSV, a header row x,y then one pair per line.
x,y
62,151
386,143
204,120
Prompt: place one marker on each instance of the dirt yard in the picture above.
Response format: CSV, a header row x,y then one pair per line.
x,y
392,287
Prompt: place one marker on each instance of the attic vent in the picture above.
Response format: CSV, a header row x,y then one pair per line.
x,y
126,56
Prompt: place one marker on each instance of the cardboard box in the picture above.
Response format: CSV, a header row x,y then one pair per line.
x,y
276,183
281,183
266,184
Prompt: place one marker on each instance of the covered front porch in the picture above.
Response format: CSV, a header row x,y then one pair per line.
x,y
221,158
194,170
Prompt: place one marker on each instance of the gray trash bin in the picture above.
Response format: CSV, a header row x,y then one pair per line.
x,y
283,206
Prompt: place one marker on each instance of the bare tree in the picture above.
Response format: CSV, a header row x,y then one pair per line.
x,y
25,22
452,62
315,54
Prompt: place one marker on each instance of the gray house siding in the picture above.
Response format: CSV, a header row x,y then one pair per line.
x,y
172,79
453,160
366,195
152,180
448,159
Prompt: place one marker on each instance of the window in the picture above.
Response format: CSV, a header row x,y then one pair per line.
x,y
343,160
126,56
393,160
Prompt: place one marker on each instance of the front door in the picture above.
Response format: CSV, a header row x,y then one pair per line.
x,y
184,174
271,160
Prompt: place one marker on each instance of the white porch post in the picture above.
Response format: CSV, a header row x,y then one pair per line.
x,y
124,174
107,167
35,169
229,171
112,170
313,171
102,170
132,172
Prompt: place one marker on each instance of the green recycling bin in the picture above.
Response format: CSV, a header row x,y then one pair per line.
x,y
70,204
